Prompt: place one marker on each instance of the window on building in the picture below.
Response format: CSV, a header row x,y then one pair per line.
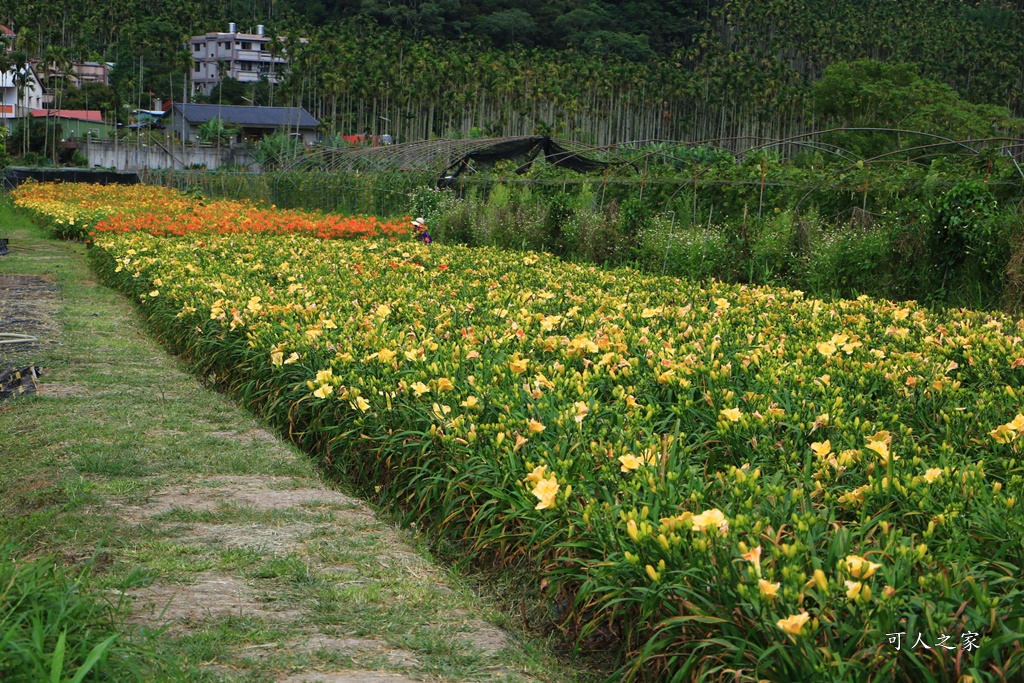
x,y
196,46
246,45
197,67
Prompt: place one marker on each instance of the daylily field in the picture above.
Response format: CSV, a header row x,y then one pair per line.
x,y
721,482
74,211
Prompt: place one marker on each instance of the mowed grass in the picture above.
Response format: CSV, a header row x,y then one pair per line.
x,y
117,414
120,423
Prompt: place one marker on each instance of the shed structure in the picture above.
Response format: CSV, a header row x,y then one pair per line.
x,y
254,123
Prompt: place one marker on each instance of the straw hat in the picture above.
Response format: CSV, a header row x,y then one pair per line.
x,y
419,222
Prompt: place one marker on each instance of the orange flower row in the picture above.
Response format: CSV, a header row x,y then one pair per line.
x,y
219,218
78,210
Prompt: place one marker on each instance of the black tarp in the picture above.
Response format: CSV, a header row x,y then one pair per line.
x,y
523,151
16,175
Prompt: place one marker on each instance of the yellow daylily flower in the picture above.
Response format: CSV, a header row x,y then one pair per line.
x,y
794,624
545,491
731,414
713,517
754,556
518,365
537,474
630,462
1003,434
768,589
861,568
822,448
879,447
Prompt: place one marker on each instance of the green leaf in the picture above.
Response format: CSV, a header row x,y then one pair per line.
x,y
95,655
57,661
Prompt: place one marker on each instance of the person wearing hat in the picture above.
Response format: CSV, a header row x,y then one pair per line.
x,y
419,227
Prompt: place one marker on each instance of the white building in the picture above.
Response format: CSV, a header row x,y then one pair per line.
x,y
20,88
245,57
20,93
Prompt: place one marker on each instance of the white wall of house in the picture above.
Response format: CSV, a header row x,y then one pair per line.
x,y
11,104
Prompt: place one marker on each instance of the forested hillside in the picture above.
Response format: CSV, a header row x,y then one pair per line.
x,y
598,71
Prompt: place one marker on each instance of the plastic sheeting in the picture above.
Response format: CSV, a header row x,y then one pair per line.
x,y
19,381
15,176
524,151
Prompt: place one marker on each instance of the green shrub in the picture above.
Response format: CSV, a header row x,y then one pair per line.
x,y
847,262
772,255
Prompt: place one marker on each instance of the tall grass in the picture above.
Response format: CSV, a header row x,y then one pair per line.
x,y
913,250
53,630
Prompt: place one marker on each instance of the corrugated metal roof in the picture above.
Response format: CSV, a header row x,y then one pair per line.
x,y
262,117
78,114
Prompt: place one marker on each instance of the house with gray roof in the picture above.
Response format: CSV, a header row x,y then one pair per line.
x,y
253,123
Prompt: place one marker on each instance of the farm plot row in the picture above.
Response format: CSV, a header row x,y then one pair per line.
x,y
80,211
716,479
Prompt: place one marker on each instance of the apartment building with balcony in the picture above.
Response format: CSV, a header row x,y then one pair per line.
x,y
246,57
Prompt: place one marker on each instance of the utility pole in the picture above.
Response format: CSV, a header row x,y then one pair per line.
x,y
138,127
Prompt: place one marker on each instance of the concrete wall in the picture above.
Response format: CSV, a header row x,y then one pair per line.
x,y
127,157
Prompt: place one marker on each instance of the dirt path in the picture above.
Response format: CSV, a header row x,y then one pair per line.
x,y
208,527
313,566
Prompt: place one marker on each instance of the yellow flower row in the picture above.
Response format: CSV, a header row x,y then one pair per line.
x,y
661,433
